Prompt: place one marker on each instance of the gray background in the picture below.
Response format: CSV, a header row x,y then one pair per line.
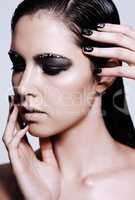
x,y
126,9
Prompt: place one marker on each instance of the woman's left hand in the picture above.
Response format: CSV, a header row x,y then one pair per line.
x,y
124,39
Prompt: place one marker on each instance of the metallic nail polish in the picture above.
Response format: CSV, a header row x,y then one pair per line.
x,y
87,32
11,109
100,25
88,49
97,70
9,99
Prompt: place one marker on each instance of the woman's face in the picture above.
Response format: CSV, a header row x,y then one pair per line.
x,y
62,86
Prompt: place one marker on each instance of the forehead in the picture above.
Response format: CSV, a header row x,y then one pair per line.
x,y
39,33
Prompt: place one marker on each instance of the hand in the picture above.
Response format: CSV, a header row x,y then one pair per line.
x,y
124,38
36,179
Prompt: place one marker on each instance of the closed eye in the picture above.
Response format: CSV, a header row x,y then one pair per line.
x,y
53,65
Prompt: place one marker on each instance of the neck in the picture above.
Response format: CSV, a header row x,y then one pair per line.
x,y
85,147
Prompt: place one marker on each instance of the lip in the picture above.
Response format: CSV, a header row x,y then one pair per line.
x,y
33,116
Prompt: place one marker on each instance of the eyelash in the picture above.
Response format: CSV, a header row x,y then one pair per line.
x,y
48,69
48,66
52,71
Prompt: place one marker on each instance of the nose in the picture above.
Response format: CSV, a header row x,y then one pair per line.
x,y
26,85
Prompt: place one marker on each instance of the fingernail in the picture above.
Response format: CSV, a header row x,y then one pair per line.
x,y
17,99
9,99
24,124
87,32
100,25
11,109
88,49
97,70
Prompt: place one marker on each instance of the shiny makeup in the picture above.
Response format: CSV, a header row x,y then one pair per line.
x,y
31,114
50,63
60,96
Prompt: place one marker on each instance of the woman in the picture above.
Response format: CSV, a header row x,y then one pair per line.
x,y
66,43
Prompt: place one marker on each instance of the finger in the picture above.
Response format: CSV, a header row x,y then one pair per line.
x,y
117,28
20,122
11,103
115,52
25,140
26,143
10,127
26,148
112,38
127,72
15,148
47,151
17,139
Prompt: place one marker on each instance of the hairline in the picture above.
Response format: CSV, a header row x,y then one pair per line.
x,y
54,14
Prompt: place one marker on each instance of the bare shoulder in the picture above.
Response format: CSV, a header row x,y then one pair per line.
x,y
119,186
118,183
9,189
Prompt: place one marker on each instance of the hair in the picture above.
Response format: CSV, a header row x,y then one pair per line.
x,y
77,15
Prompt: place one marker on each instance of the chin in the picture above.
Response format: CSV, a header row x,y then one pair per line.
x,y
44,129
37,130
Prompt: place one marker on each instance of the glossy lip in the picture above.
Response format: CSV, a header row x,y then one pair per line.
x,y
33,116
30,110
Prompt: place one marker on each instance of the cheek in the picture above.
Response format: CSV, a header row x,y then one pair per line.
x,y
78,78
72,92
68,99
67,105
16,78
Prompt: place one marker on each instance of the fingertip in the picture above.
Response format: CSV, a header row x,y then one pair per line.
x,y
87,49
100,25
9,99
11,109
86,32
14,108
26,127
98,71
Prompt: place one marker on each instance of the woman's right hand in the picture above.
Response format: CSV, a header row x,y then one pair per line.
x,y
37,179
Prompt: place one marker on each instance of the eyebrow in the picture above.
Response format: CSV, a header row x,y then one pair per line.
x,y
41,56
13,52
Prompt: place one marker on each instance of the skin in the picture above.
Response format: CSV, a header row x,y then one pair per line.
x,y
124,37
66,87
60,172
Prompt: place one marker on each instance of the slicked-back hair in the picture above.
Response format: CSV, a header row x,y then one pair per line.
x,y
77,15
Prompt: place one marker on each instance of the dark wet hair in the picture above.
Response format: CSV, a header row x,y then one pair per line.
x,y
77,15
